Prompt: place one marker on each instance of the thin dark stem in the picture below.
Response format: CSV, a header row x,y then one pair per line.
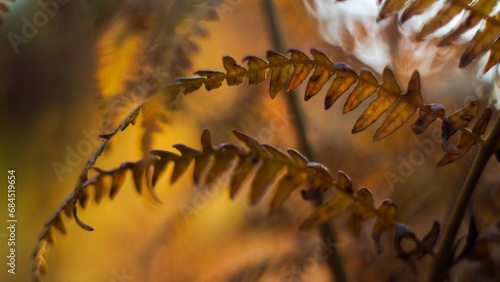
x,y
280,46
326,230
440,264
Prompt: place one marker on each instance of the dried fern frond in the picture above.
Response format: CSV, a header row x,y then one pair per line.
x,y
388,94
79,194
475,12
143,47
268,161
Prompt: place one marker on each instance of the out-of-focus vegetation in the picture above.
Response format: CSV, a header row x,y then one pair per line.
x,y
92,62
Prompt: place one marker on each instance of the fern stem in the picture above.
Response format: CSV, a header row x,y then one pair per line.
x,y
326,230
279,45
440,264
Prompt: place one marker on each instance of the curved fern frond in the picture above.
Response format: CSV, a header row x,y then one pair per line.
x,y
239,162
79,193
145,46
474,13
388,93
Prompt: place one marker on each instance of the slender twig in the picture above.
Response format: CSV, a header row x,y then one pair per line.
x,y
82,179
327,232
440,264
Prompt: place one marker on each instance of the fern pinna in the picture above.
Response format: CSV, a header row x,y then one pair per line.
x,y
268,161
474,13
388,93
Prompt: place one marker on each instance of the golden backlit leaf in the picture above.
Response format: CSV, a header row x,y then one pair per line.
x,y
251,143
292,179
257,70
362,212
482,123
99,189
235,73
300,70
481,8
83,200
48,235
263,178
345,78
118,177
320,75
119,50
416,7
279,72
299,159
243,169
481,42
443,17
494,57
338,203
285,187
58,223
213,79
390,7
468,23
404,110
386,211
160,165
343,182
385,99
68,209
182,163
367,85
320,180
40,256
202,161
222,161
191,84
137,175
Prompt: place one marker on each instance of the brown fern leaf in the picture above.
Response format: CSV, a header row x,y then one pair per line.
x,y
80,194
388,92
475,12
56,221
267,160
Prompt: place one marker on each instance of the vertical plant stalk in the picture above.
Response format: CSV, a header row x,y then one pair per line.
x,y
440,263
327,232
